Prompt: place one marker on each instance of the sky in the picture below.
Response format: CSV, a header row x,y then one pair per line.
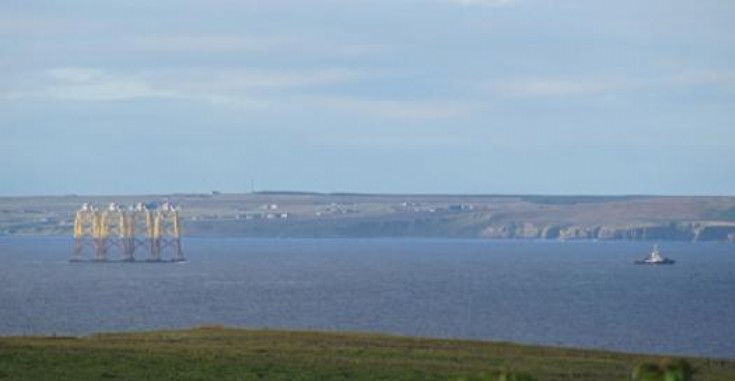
x,y
371,96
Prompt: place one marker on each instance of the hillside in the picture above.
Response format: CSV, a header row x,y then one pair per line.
x,y
228,354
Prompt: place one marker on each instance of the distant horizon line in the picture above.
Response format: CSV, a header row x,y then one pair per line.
x,y
364,194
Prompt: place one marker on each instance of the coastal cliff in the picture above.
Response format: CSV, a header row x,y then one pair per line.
x,y
430,228
691,231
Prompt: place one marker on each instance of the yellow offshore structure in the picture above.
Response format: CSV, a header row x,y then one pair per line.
x,y
115,234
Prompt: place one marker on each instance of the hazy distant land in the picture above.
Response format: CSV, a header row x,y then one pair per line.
x,y
293,214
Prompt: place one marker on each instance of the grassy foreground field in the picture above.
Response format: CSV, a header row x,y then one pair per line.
x,y
213,353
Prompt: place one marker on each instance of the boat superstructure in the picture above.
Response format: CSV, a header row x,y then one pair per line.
x,y
655,258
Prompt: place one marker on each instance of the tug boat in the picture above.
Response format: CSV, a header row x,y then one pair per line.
x,y
655,258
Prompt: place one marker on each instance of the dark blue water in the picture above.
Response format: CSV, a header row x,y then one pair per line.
x,y
580,294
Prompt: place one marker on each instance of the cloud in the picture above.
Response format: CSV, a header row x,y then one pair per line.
x,y
556,87
705,77
228,80
395,139
235,88
230,86
201,43
395,109
228,43
483,3
565,87
84,84
31,25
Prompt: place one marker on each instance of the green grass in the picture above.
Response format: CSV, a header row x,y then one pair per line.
x,y
214,353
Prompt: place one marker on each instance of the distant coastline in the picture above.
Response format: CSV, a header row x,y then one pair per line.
x,y
344,215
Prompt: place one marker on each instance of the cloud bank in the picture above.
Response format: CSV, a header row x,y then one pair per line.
x,y
483,3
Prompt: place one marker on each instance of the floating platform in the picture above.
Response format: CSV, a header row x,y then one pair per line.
x,y
119,232
127,260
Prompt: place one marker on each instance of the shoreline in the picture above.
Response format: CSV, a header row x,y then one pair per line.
x,y
395,238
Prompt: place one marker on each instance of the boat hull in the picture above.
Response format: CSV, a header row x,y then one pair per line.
x,y
663,262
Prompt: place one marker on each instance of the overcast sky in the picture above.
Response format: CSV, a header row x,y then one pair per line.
x,y
419,96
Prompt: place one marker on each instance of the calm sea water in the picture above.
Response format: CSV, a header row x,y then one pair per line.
x,y
580,294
